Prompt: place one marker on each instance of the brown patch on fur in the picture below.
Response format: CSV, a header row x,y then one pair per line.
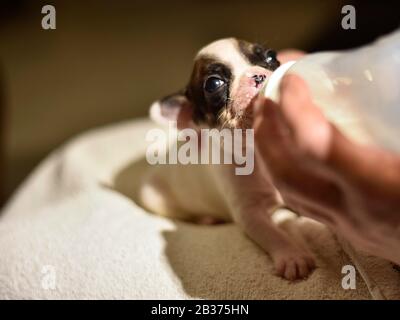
x,y
257,54
204,111
219,112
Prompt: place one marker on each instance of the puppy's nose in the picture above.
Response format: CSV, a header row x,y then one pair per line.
x,y
259,78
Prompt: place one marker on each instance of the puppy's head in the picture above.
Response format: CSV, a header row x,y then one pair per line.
x,y
226,76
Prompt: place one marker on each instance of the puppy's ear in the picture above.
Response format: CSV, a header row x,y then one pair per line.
x,y
175,107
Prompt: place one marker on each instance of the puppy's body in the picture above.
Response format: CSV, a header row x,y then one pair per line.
x,y
227,75
187,192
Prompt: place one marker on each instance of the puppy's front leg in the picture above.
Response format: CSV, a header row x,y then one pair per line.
x,y
252,200
291,261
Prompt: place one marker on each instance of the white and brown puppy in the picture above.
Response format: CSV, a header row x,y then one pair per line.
x,y
227,75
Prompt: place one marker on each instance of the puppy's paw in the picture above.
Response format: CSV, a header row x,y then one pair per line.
x,y
294,264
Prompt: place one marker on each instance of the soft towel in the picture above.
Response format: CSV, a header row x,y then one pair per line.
x,y
74,231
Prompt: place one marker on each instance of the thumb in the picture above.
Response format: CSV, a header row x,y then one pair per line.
x,y
311,130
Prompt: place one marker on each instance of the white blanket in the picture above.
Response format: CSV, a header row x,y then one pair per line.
x,y
72,231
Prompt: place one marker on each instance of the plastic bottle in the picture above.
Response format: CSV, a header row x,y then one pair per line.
x,y
358,90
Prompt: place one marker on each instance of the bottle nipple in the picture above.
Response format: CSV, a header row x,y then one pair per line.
x,y
271,87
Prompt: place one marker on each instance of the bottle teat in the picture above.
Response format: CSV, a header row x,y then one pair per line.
x,y
271,87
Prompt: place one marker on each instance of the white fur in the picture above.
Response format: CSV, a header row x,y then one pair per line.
x,y
226,51
215,190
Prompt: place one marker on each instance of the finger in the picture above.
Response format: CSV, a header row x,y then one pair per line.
x,y
319,139
289,55
368,177
268,119
309,126
367,167
292,173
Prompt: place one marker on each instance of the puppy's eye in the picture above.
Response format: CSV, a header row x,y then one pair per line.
x,y
270,56
212,84
271,60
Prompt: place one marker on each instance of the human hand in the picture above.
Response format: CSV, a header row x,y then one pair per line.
x,y
321,174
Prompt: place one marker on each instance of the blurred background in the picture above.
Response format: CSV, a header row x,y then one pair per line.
x,y
108,60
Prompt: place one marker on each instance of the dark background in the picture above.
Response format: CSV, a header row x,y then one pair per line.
x,y
108,60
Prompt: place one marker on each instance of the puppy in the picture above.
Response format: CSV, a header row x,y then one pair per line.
x,y
226,77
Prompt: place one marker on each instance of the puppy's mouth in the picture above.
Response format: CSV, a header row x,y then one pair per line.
x,y
238,114
259,80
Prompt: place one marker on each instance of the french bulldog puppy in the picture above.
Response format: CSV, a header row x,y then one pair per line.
x,y
226,77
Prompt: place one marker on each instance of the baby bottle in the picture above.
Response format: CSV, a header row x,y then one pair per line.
x,y
358,90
